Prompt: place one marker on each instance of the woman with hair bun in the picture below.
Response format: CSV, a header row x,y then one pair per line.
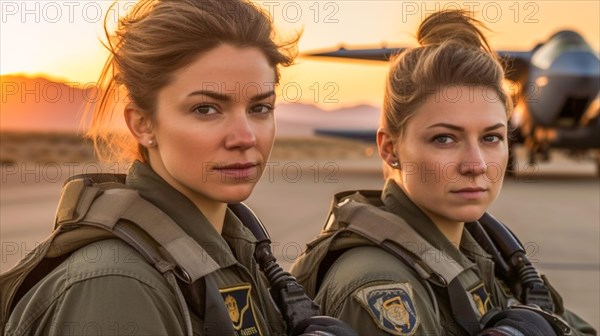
x,y
422,257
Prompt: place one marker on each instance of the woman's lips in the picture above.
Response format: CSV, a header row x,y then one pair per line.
x,y
470,193
241,171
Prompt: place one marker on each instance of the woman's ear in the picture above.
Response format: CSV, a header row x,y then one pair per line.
x,y
139,125
386,146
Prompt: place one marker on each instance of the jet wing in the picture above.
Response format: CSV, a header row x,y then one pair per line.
x,y
378,54
516,62
369,136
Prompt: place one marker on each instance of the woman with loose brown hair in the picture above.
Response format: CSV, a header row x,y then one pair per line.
x,y
415,258
159,37
200,78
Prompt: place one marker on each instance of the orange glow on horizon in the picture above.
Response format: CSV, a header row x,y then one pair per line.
x,y
35,75
67,47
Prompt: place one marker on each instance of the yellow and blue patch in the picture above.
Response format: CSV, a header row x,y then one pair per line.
x,y
481,298
392,307
241,311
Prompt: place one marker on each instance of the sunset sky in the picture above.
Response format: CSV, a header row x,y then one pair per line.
x,y
60,39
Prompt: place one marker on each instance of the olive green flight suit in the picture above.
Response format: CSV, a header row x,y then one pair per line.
x,y
108,288
378,294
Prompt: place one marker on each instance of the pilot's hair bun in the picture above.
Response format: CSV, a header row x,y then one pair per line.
x,y
452,26
453,52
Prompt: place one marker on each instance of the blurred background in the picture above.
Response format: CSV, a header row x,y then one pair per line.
x,y
51,55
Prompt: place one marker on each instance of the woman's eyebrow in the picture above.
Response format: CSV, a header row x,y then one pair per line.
x,y
460,129
450,126
227,98
211,94
262,96
493,127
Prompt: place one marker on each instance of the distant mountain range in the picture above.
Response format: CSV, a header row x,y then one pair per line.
x,y
302,120
39,104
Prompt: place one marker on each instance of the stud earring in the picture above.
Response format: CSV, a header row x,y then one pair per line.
x,y
150,143
395,164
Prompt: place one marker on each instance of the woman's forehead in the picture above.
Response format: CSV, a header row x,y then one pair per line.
x,y
225,70
460,105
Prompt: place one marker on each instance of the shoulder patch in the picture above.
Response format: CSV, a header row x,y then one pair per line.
x,y
391,306
241,311
481,298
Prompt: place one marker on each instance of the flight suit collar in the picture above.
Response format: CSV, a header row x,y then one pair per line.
x,y
191,220
397,202
472,249
485,264
241,240
234,229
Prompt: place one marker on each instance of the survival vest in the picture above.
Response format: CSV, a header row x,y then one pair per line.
x,y
354,213
100,206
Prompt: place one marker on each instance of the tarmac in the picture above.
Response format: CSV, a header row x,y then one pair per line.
x,y
554,210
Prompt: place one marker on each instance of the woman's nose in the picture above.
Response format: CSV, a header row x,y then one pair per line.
x,y
241,134
473,162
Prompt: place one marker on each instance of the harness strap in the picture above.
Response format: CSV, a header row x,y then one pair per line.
x,y
107,209
93,209
397,237
462,308
366,220
124,213
180,302
215,310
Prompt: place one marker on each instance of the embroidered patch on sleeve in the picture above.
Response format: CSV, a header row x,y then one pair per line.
x,y
241,311
481,298
392,307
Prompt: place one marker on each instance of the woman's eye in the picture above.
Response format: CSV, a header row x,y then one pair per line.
x,y
443,139
205,110
493,138
260,109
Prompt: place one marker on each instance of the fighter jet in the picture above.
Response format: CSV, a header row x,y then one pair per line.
x,y
557,104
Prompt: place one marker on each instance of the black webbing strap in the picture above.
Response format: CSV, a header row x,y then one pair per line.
x,y
461,308
216,316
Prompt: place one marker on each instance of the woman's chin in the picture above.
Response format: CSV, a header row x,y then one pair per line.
x,y
470,215
237,194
